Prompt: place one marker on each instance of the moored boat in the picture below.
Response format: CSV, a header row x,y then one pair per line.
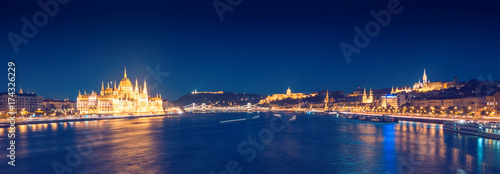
x,y
388,119
482,129
353,116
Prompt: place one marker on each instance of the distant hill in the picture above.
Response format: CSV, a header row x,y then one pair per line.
x,y
319,98
224,99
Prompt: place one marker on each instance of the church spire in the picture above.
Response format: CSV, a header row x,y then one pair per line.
x,y
136,86
125,73
79,94
21,91
102,87
425,78
108,86
145,90
115,85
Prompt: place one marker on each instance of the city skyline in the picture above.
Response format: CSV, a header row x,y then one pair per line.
x,y
197,50
250,86
279,91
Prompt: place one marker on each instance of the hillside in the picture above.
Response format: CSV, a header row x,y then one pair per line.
x,y
224,99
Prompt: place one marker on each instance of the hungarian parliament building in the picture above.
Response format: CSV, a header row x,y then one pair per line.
x,y
124,99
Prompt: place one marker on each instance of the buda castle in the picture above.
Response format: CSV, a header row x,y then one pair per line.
x,y
288,95
124,99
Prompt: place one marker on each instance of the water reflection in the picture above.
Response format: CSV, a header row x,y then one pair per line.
x,y
389,148
132,142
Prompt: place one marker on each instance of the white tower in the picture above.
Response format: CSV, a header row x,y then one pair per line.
x,y
424,78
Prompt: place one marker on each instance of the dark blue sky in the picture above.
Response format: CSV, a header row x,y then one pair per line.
x,y
260,47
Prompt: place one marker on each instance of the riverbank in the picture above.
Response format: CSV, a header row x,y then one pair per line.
x,y
5,123
426,119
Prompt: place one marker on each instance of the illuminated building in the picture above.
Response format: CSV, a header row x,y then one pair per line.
x,y
389,100
367,98
426,85
405,89
29,102
206,92
423,84
288,95
326,100
395,100
55,105
492,101
472,103
124,99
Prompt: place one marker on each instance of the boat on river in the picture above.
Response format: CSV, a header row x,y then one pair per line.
x,y
388,119
482,129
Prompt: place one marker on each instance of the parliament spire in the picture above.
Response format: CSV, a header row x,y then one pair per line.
x,y
125,73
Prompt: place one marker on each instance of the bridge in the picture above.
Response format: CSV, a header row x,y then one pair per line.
x,y
204,108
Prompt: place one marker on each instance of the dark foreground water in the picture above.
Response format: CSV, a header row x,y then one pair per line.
x,y
199,143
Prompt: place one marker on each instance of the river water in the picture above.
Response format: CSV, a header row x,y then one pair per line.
x,y
246,143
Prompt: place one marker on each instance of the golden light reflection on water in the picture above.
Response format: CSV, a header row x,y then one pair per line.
x,y
129,144
133,156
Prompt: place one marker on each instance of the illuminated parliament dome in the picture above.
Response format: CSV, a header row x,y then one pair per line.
x,y
125,84
127,98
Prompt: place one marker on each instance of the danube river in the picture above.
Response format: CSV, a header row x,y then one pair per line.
x,y
247,143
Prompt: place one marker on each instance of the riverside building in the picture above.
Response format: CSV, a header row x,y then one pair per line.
x,y
126,98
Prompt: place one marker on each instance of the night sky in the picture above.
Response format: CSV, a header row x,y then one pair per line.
x,y
260,47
